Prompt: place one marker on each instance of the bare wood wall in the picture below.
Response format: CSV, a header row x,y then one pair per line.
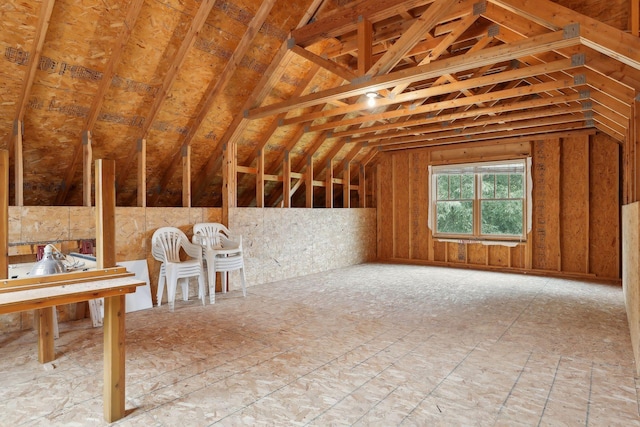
x,y
576,218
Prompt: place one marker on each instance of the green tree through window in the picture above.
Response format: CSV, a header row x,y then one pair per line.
x,y
481,200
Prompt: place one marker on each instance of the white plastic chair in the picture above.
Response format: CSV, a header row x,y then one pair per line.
x,y
222,252
165,247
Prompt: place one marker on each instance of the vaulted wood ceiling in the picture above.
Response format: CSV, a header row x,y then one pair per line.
x,y
169,84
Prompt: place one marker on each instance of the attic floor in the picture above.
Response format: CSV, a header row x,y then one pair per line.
x,y
372,344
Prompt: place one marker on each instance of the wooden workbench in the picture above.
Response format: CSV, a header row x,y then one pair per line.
x,y
44,293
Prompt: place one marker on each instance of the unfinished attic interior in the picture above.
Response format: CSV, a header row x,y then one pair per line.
x,y
438,203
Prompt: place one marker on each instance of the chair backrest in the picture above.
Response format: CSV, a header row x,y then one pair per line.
x,y
213,231
166,244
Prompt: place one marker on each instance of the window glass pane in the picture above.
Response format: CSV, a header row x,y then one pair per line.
x,y
501,217
488,186
467,186
502,186
454,217
443,187
454,186
516,186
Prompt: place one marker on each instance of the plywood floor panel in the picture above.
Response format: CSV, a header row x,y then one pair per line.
x,y
373,344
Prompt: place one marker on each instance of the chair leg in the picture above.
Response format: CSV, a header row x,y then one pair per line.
x,y
244,282
201,287
185,288
224,281
172,284
161,281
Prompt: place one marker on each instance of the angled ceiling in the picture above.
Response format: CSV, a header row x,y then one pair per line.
x,y
290,80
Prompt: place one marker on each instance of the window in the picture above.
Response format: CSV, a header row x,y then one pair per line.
x,y
484,201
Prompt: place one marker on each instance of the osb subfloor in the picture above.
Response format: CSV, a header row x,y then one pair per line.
x,y
374,344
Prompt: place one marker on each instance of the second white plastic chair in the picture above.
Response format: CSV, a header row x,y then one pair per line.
x,y
166,244
223,253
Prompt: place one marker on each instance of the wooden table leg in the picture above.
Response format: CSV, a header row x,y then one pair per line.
x,y
114,358
46,351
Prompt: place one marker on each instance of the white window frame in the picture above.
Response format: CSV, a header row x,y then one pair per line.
x,y
479,168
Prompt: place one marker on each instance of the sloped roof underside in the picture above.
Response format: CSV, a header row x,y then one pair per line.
x,y
290,78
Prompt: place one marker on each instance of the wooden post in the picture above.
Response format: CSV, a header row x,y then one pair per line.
x,y
186,176
260,180
18,168
4,214
346,185
229,179
114,307
329,185
87,160
114,357
308,183
365,45
635,18
142,172
362,187
46,350
105,213
286,180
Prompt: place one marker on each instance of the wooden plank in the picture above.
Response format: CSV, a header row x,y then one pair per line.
x,y
229,180
402,205
114,358
365,45
604,222
46,350
384,191
488,56
286,180
105,213
328,198
18,162
324,63
260,180
452,103
75,277
308,182
46,8
4,214
574,204
141,155
345,19
546,210
87,161
635,18
346,186
186,176
421,26
362,186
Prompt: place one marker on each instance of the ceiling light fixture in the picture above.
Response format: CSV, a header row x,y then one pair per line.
x,y
371,101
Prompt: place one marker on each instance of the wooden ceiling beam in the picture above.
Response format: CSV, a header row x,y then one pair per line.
x,y
537,113
603,38
215,87
96,105
454,65
497,136
413,35
440,89
327,64
453,103
46,8
513,106
344,20
475,132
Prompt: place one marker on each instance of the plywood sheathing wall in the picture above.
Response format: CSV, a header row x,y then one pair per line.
x,y
631,273
278,243
575,225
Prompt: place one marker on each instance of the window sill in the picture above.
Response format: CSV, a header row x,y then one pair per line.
x,y
488,242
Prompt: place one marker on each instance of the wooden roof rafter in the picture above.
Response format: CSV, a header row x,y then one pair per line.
x,y
213,91
170,77
96,105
